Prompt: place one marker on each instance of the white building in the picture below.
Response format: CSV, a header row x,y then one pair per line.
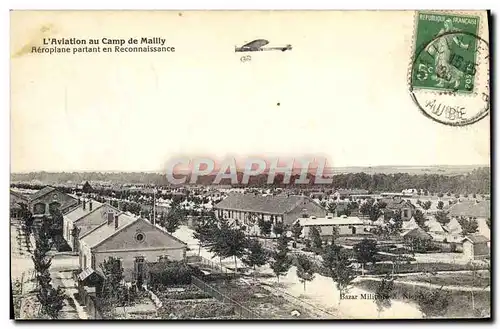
x,y
345,225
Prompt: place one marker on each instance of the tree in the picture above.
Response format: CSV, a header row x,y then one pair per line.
x,y
75,233
112,291
440,205
427,205
305,270
315,236
204,232
335,233
420,219
235,244
281,261
469,226
383,293
442,217
51,300
365,252
332,207
278,228
382,204
433,303
255,255
173,218
229,242
296,230
338,266
265,227
27,224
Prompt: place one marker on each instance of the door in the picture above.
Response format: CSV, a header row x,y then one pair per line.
x,y
139,270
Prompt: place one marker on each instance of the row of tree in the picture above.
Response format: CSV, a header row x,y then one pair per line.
x,y
51,299
476,181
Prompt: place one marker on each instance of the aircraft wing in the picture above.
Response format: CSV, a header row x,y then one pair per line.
x,y
256,44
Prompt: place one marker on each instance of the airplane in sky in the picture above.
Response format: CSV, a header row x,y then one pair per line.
x,y
259,45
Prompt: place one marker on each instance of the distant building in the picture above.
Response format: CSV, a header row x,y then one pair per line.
x,y
345,225
248,208
85,217
475,247
406,208
16,199
479,210
134,241
41,202
346,193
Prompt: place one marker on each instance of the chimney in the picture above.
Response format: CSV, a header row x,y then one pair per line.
x,y
84,204
90,205
79,201
116,221
110,218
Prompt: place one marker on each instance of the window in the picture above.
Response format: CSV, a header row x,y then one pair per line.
x,y
84,261
92,262
139,237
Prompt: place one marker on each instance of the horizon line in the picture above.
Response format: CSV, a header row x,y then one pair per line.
x,y
330,167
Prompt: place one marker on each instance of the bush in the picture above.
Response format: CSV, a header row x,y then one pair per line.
x,y
168,273
60,244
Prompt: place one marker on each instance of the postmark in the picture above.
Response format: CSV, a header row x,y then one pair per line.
x,y
449,76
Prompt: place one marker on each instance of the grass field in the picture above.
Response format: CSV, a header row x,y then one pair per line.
x,y
480,280
384,268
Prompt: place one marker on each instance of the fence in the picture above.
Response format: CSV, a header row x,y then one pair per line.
x,y
241,310
214,266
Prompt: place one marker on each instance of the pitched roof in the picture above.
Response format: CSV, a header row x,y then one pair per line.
x,y
417,233
397,203
434,226
271,204
78,212
476,238
19,195
42,192
471,209
410,224
454,226
105,231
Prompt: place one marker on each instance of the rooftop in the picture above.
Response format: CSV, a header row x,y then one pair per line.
x,y
42,192
271,204
78,212
476,238
105,231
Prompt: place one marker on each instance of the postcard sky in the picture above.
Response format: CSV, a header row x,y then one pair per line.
x,y
341,92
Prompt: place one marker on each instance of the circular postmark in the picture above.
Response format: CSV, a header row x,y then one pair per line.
x,y
449,79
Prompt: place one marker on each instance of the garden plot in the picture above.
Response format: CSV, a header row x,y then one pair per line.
x,y
260,300
141,307
188,302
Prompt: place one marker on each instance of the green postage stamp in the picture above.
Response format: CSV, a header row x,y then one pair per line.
x,y
445,53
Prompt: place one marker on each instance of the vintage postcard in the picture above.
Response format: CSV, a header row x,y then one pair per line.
x,y
172,165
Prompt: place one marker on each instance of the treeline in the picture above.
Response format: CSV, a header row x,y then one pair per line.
x,y
477,181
